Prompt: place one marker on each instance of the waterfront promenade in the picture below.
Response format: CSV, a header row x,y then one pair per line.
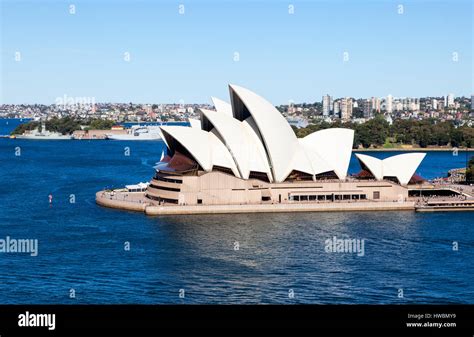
x,y
136,201
121,199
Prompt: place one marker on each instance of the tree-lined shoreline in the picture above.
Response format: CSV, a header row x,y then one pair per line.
x,y
374,135
377,133
65,125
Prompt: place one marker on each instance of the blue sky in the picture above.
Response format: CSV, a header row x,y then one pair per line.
x,y
190,57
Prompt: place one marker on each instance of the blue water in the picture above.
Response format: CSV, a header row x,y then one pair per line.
x,y
7,125
81,245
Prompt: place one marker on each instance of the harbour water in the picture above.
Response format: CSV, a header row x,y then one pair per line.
x,y
248,258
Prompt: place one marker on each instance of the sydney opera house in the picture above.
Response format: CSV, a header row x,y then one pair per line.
x,y
246,153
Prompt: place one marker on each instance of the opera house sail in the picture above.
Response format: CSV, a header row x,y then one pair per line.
x,y
244,156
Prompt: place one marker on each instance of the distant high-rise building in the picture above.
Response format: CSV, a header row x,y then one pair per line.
x,y
291,109
367,108
397,106
411,104
404,102
434,104
147,108
346,108
375,101
472,102
389,104
450,100
327,100
336,108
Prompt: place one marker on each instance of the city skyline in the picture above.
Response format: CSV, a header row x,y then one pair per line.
x,y
172,52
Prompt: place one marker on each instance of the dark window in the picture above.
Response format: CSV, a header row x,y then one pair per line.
x,y
312,197
223,170
165,188
394,179
298,175
326,176
168,180
152,197
171,201
258,175
199,201
376,195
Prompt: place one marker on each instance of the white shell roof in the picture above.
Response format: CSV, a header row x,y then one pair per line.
x,y
334,146
206,148
374,165
252,135
242,142
252,131
222,106
402,166
318,163
279,139
195,123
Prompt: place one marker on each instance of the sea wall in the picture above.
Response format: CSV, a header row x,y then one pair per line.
x,y
136,203
103,200
274,208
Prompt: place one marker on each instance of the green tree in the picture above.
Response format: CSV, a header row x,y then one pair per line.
x,y
21,128
470,171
